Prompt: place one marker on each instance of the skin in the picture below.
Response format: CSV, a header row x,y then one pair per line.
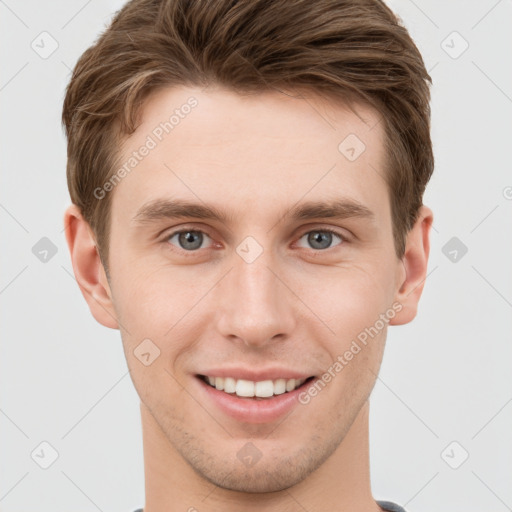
x,y
254,158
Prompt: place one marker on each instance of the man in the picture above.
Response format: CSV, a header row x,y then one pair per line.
x,y
247,180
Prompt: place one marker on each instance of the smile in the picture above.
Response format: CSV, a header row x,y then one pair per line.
x,y
248,389
268,398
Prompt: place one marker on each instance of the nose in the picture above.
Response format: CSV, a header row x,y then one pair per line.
x,y
254,304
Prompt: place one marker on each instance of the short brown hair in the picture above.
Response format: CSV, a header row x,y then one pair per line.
x,y
345,50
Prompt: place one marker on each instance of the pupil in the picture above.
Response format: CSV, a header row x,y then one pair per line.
x,y
187,239
316,238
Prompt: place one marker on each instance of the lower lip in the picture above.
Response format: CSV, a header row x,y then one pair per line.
x,y
251,410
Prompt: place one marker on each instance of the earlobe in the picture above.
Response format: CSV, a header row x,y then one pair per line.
x,y
415,263
88,268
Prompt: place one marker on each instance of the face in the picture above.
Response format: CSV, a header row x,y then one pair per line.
x,y
286,260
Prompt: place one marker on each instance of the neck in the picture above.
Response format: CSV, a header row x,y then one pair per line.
x,y
341,483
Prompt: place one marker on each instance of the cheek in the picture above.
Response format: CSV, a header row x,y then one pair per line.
x,y
349,299
152,299
161,314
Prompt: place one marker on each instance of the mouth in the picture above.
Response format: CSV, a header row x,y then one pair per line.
x,y
247,395
251,390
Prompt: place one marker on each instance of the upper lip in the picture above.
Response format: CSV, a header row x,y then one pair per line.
x,y
256,375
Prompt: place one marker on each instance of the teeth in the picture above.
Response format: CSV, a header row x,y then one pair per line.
x,y
243,387
290,385
247,388
279,386
229,385
264,388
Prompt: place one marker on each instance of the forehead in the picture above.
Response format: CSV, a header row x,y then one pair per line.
x,y
263,149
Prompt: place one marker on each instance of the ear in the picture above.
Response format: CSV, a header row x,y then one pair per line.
x,y
415,261
88,268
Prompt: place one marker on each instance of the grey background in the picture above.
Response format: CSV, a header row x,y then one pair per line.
x,y
445,377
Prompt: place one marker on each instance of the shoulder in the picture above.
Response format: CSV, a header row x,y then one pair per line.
x,y
388,506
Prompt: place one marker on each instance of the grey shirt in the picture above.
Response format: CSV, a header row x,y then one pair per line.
x,y
389,506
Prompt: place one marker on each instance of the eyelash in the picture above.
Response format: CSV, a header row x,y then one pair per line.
x,y
343,237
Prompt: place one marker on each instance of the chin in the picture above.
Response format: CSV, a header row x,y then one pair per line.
x,y
271,473
255,481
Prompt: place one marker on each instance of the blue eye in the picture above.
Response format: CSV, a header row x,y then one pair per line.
x,y
321,239
189,240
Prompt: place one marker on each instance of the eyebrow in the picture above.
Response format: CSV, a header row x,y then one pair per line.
x,y
338,209
161,209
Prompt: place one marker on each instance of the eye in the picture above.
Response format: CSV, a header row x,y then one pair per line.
x,y
188,239
321,239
